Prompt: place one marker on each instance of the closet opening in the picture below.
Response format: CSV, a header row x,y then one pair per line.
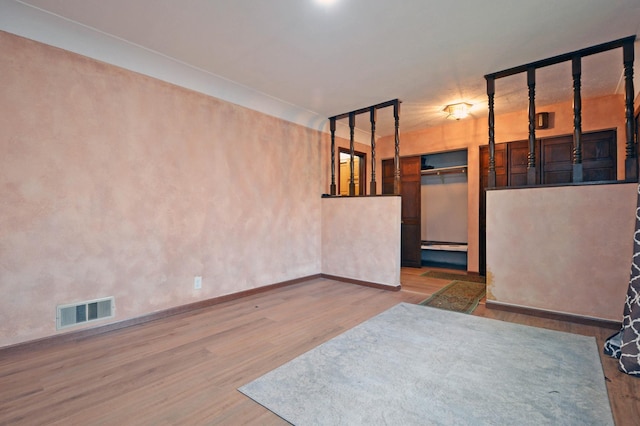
x,y
444,212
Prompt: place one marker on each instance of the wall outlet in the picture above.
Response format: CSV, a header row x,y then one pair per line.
x,y
197,283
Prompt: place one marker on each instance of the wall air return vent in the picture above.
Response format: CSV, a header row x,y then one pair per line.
x,y
82,312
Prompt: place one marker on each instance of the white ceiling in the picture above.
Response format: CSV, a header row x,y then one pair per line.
x,y
333,59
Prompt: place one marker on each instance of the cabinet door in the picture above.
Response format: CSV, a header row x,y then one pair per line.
x,y
500,158
599,156
556,159
517,163
388,174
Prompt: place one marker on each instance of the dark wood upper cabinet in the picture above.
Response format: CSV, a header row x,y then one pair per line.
x,y
555,160
501,165
599,156
517,154
388,174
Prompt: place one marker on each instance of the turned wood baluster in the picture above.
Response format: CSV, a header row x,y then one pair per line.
x,y
576,67
352,125
332,123
491,90
531,158
396,159
372,115
631,162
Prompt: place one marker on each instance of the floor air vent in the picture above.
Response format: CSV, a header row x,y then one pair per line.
x,y
79,313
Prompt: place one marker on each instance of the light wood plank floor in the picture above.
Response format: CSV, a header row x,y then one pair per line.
x,y
186,369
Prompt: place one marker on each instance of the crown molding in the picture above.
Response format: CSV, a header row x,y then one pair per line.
x,y
36,24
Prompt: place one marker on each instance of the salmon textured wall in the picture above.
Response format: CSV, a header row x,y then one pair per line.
x,y
117,184
361,238
563,249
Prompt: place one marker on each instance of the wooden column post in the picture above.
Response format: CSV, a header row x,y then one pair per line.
x,y
631,161
332,126
396,159
352,125
531,158
491,91
576,67
372,116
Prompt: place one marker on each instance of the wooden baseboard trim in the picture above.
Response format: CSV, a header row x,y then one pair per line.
x,y
362,283
578,319
74,336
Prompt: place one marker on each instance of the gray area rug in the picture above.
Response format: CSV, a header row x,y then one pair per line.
x,y
414,365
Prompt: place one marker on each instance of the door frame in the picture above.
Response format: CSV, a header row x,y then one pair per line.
x,y
362,170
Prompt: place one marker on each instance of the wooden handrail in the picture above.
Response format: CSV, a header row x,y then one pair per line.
x,y
631,162
372,110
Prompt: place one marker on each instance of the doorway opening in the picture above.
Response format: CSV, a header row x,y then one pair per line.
x,y
434,192
344,172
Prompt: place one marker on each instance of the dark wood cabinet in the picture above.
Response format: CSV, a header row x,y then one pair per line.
x,y
599,156
388,174
555,160
555,166
501,165
515,167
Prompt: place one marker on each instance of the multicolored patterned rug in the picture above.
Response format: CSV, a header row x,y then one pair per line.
x,y
458,296
453,276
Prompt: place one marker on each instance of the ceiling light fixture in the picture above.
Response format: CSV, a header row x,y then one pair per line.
x,y
458,111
